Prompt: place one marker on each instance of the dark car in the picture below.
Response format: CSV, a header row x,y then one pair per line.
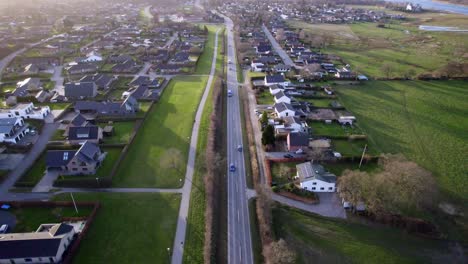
x,y
288,156
232,168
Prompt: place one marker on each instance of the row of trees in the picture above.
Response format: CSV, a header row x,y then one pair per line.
x,y
400,187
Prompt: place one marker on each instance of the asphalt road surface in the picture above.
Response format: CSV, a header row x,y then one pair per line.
x,y
284,56
239,238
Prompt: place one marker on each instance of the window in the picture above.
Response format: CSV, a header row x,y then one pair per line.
x,y
321,188
17,113
313,188
85,169
330,188
28,260
305,188
74,169
314,183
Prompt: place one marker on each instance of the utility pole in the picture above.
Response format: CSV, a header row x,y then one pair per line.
x,y
74,204
362,157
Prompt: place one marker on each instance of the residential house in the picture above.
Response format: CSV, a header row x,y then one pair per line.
x,y
280,97
128,107
85,160
46,245
297,141
276,88
284,110
169,69
12,129
291,124
82,68
119,58
281,68
180,58
30,84
128,66
102,81
263,49
314,177
26,111
275,79
93,56
79,90
80,134
345,118
257,66
31,69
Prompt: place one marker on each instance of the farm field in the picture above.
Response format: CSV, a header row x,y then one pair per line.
x,y
168,126
129,227
328,240
406,49
426,121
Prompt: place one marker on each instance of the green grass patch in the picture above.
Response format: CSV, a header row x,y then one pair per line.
x,y
205,60
339,168
168,125
352,148
337,241
251,74
129,227
34,174
265,98
121,82
426,121
316,102
30,218
276,176
122,132
333,129
112,156
54,106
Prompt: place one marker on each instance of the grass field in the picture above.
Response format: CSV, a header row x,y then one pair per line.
x,y
426,121
334,129
168,125
204,62
402,45
327,240
129,228
122,132
29,219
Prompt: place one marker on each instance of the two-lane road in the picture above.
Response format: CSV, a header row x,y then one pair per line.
x,y
239,238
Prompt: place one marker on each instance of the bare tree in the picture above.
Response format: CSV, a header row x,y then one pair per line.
x,y
387,70
172,159
280,253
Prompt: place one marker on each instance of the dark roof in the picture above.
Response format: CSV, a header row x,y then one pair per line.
x,y
274,78
263,48
29,248
80,89
298,139
78,120
280,94
280,107
101,80
87,152
60,229
59,158
83,133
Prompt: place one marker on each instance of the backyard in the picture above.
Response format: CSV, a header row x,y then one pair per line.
x,y
34,174
168,126
122,132
129,227
333,129
328,240
426,121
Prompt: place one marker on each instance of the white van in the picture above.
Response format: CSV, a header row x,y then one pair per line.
x,y
229,93
3,229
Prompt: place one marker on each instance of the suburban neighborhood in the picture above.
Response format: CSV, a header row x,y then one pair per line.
x,y
191,131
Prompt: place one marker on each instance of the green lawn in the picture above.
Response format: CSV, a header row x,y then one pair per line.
x,y
205,60
144,108
34,174
336,241
316,102
400,44
112,156
116,94
426,121
168,125
352,148
29,218
129,228
333,129
255,74
122,132
338,168
121,82
265,98
276,175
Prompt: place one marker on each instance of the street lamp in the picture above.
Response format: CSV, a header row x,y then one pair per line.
x,y
97,180
169,254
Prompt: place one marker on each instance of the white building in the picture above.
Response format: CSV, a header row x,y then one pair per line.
x,y
275,88
283,110
291,124
12,129
276,79
92,57
26,111
46,245
313,177
280,97
257,66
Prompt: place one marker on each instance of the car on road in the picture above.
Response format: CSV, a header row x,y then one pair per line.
x,y
3,229
239,148
229,93
229,61
232,168
288,156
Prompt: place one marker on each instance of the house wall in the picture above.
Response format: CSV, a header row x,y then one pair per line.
x,y
283,99
318,186
76,167
285,113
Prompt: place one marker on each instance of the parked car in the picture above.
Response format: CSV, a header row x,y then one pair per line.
x,y
288,156
239,148
3,229
232,168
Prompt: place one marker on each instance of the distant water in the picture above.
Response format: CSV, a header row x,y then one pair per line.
x,y
429,4
438,28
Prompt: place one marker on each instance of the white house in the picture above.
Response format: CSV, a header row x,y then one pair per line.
x,y
46,245
314,178
26,111
257,66
92,57
280,97
284,110
291,124
12,129
276,79
275,88
345,118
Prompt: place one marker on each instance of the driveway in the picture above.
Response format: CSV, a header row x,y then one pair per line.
x,y
9,219
284,56
47,182
329,206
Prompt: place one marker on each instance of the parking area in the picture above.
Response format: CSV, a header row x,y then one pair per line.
x,y
7,218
